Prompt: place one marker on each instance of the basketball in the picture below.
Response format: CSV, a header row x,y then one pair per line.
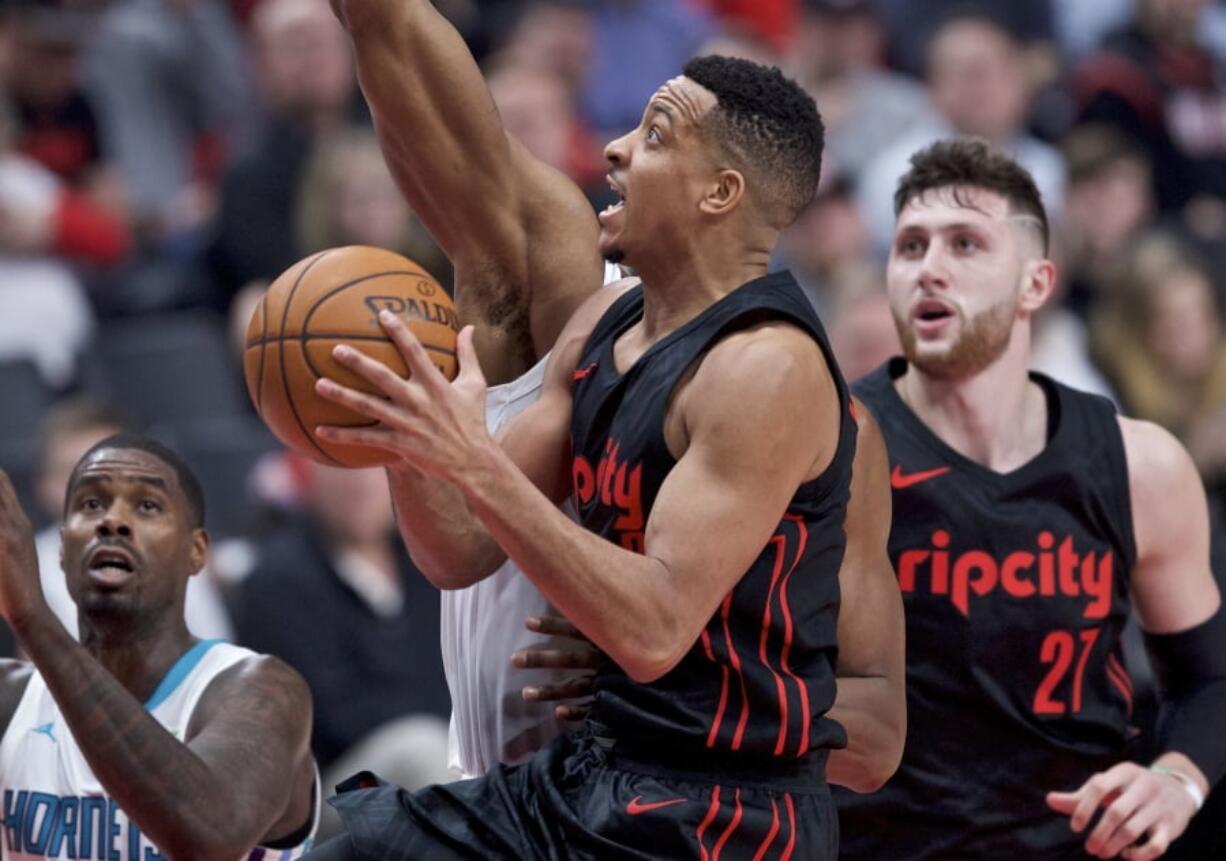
x,y
330,298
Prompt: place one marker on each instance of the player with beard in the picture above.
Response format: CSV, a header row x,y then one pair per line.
x,y
1029,521
141,742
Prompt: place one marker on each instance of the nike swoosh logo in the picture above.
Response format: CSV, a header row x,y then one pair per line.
x,y
898,481
583,372
634,808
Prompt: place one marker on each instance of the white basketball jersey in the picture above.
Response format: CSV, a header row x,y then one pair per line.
x,y
54,807
483,624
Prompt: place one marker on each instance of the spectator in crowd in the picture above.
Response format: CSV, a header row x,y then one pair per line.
x,y
838,54
307,80
174,99
45,316
334,595
1159,337
911,23
979,83
67,432
538,110
1109,204
347,197
1155,82
829,235
661,34
861,327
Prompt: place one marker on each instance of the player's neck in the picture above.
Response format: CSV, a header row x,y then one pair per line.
x,y
681,286
997,418
138,655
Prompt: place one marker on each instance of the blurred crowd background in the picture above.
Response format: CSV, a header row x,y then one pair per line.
x,y
162,160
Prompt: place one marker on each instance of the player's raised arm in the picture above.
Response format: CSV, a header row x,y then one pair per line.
x,y
507,221
1181,613
871,703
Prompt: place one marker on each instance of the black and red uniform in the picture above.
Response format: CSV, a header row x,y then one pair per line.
x,y
1016,592
722,757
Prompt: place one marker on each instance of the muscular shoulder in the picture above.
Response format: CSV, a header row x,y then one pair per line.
x,y
260,684
1165,489
768,363
14,677
1157,461
762,385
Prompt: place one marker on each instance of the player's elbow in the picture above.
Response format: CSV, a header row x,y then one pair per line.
x,y
647,659
447,572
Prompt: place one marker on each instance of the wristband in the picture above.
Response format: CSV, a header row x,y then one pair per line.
x,y
1189,785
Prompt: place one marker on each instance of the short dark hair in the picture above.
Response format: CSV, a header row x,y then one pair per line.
x,y
183,473
962,163
770,124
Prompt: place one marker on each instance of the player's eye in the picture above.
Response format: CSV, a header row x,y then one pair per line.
x,y
90,503
150,505
653,134
966,243
911,247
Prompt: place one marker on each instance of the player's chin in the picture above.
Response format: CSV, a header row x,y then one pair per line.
x,y
610,248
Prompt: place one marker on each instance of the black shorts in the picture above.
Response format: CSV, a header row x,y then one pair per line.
x,y
583,798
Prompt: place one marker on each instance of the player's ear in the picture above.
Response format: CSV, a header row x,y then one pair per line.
x,y
200,549
724,194
1038,283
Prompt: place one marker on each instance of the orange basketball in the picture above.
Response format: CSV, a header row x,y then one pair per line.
x,y
334,297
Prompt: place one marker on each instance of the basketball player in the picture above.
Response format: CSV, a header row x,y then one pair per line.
x,y
1029,519
523,241
141,742
516,231
707,436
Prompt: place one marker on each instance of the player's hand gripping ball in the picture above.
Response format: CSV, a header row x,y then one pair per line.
x,y
330,298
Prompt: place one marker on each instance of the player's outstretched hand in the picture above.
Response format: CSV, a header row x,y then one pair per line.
x,y
581,656
21,594
1143,811
436,426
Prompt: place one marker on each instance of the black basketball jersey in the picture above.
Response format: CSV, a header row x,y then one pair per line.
x,y
1016,590
761,677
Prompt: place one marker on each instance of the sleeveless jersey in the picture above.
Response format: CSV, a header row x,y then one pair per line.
x,y
483,624
1016,590
54,807
760,679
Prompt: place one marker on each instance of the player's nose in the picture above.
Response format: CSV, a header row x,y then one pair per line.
x,y
617,150
113,523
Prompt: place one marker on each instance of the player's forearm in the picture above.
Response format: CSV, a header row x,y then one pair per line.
x,y
450,546
873,712
624,602
185,809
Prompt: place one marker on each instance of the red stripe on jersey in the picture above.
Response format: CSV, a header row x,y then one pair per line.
x,y
787,850
706,821
770,835
735,660
732,826
805,717
1119,678
723,690
1114,663
781,544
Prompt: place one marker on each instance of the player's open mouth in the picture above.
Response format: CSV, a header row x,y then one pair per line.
x,y
110,565
931,310
617,206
